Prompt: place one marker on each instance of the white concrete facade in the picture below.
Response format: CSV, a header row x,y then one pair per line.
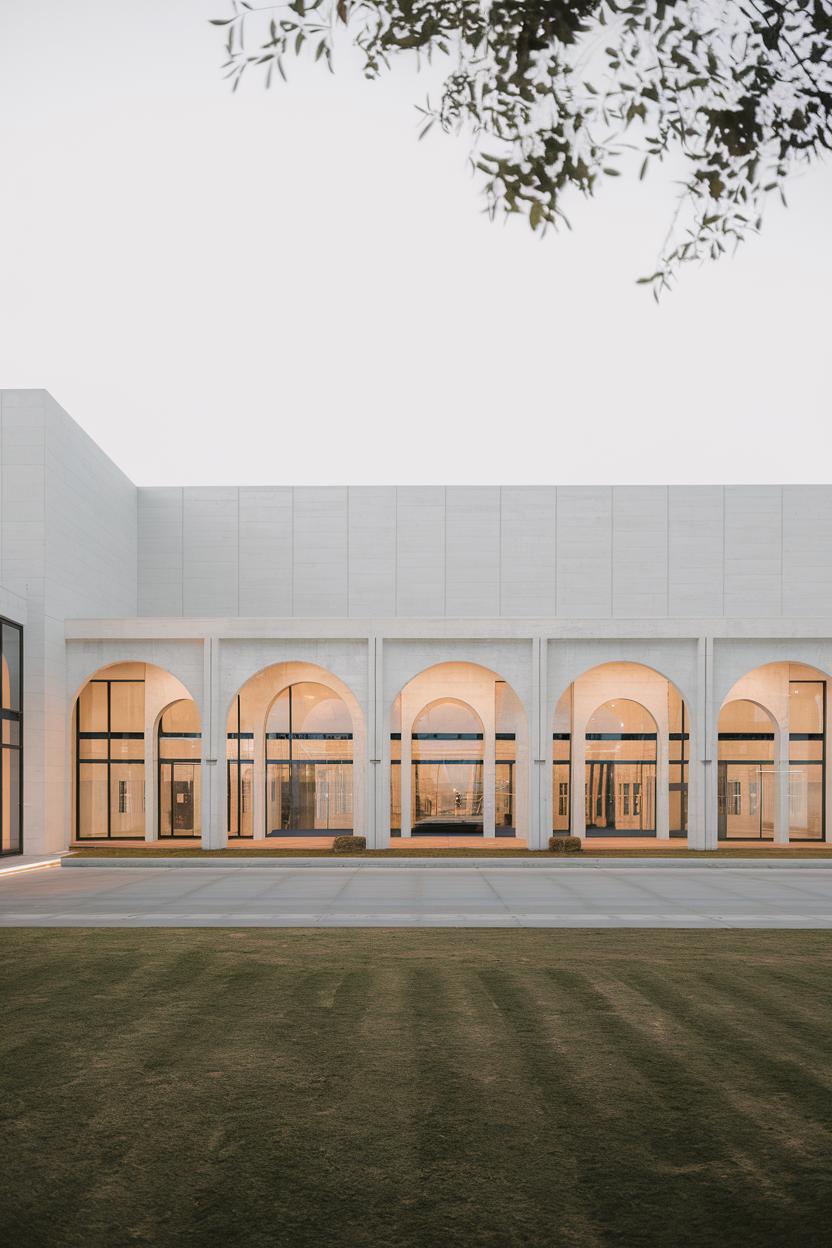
x,y
374,589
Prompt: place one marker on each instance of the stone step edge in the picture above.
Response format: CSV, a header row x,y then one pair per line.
x,y
384,864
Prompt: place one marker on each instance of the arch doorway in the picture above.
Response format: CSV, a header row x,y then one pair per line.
x,y
179,782
309,763
458,755
138,749
447,762
621,743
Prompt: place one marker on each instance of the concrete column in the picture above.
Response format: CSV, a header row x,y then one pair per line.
x,y
697,750
709,738
489,768
662,783
214,831
379,750
577,775
258,795
372,756
536,751
782,816
151,772
407,732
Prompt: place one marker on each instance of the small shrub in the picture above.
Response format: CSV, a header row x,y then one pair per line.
x,y
349,844
565,845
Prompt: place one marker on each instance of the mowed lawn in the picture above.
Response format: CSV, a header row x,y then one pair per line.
x,y
326,1088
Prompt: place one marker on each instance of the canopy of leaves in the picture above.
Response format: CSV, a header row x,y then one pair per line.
x,y
553,93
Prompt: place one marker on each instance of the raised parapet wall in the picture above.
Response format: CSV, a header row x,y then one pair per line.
x,y
567,552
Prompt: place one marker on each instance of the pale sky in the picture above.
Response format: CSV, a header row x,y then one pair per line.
x,y
286,287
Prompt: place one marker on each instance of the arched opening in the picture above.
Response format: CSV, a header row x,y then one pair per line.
x,y
309,763
458,745
120,717
626,727
621,738
179,788
447,769
11,745
294,731
771,781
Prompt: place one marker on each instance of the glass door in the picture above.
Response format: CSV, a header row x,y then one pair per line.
x,y
621,799
746,801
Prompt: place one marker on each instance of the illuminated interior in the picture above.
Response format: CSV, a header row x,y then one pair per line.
x,y
11,747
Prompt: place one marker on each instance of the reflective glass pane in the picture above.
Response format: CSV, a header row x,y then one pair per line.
x,y
126,747
621,729
560,798
806,803
182,716
127,799
806,751
12,831
179,800
746,801
180,747
447,716
678,797
395,797
240,813
92,800
93,747
309,797
806,706
127,706
11,668
561,750
447,794
506,749
92,707
504,796
621,798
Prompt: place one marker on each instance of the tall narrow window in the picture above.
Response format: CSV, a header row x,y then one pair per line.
x,y
447,770
11,748
678,762
180,747
745,776
109,789
807,760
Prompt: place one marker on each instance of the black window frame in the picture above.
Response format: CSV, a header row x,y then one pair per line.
x,y
107,736
161,736
10,715
296,764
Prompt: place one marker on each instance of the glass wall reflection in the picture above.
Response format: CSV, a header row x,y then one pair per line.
x,y
11,747
309,763
447,770
745,779
110,759
620,786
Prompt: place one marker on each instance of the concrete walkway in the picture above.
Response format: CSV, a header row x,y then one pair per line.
x,y
479,896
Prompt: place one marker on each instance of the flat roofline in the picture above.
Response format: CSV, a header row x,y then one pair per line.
x,y
468,628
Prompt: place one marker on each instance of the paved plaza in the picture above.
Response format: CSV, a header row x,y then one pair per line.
x,y
470,896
